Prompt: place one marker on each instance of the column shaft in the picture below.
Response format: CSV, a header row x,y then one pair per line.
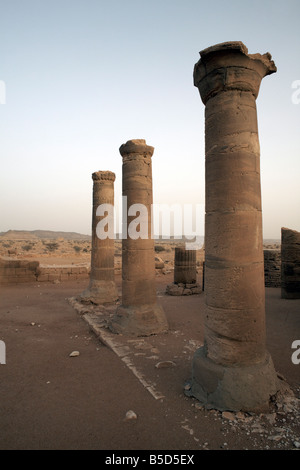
x,y
233,370
139,313
185,269
102,288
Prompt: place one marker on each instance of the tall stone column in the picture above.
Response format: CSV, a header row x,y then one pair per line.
x,y
139,314
233,370
102,288
290,264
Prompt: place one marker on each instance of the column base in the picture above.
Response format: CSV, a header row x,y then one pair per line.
x,y
139,320
100,293
183,289
233,388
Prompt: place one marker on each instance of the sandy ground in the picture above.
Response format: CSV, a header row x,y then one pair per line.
x,y
50,400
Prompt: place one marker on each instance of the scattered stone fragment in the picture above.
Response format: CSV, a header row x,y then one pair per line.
x,y
296,444
74,354
165,364
271,418
257,428
276,438
187,428
199,406
154,350
228,415
143,346
130,415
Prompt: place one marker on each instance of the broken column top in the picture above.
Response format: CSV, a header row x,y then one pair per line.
x,y
103,176
137,146
229,66
289,236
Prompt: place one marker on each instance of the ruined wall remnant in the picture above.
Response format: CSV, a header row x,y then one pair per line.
x,y
139,314
272,267
290,264
14,271
233,370
102,288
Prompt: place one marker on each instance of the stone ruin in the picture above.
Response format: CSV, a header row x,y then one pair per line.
x,y
139,314
233,370
102,288
272,267
290,264
185,273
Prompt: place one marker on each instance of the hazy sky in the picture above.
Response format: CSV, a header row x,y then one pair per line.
x,y
81,77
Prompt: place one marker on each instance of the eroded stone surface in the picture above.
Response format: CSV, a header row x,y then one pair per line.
x,y
290,264
233,371
102,288
139,313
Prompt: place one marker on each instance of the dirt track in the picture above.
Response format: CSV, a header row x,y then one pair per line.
x,y
50,400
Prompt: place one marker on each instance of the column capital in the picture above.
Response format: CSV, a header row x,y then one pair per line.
x,y
136,146
228,66
103,176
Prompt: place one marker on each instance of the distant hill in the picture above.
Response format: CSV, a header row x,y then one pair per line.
x,y
46,234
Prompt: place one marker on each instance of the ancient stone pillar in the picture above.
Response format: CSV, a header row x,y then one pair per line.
x,y
233,370
185,269
185,273
290,264
139,314
102,288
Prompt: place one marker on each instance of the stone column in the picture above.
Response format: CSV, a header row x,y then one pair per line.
x,y
185,269
233,370
290,264
185,273
139,314
102,288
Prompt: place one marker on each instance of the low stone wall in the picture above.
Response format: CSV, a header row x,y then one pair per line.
x,y
272,264
20,271
17,271
62,273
